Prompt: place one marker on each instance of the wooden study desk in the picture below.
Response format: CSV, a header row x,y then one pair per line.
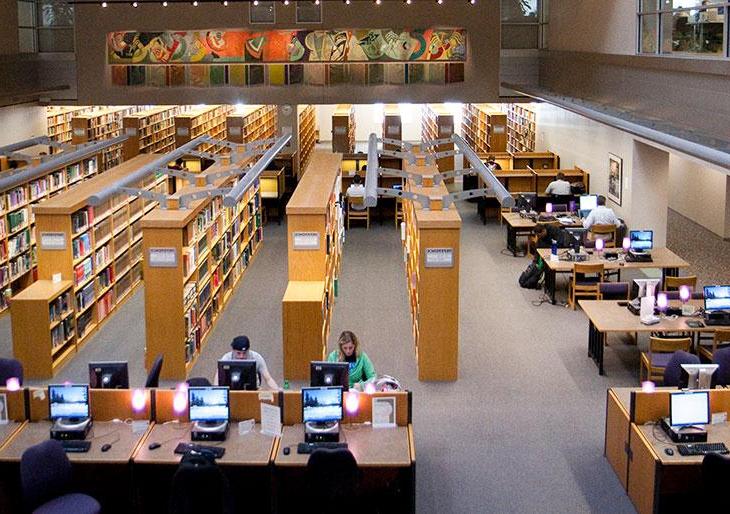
x,y
7,431
606,316
662,258
519,226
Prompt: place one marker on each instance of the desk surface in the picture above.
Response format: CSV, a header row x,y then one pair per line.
x,y
609,316
102,432
659,440
7,430
251,449
661,258
515,220
371,447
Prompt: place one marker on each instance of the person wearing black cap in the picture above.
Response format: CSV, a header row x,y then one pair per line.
x,y
241,350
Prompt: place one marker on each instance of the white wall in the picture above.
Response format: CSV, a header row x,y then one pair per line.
x,y
700,193
650,190
367,120
22,122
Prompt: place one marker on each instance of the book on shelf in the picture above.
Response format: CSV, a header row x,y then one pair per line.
x,y
59,306
16,197
81,245
19,243
83,270
105,304
102,256
81,219
86,296
84,321
38,188
17,219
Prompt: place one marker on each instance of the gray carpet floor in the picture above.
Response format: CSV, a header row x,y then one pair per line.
x,y
522,428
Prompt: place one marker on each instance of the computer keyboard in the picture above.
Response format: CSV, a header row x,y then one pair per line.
x,y
76,446
701,449
310,447
215,451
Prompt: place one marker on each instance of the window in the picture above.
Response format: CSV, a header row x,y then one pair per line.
x,y
45,26
683,27
524,24
264,12
309,12
26,27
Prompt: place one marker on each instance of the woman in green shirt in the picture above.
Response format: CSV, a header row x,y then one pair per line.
x,y
361,367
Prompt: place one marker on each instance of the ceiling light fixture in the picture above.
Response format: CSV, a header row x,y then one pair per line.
x,y
195,3
164,4
103,4
135,4
255,2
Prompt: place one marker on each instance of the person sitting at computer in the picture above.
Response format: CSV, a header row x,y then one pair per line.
x,y
241,350
361,367
356,190
601,215
559,187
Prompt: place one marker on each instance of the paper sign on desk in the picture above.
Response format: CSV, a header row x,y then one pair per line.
x,y
383,411
270,419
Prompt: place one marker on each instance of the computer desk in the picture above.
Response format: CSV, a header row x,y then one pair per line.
x,y
519,226
662,258
606,316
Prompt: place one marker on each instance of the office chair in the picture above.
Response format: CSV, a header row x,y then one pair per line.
x,y
614,290
45,480
721,339
660,353
722,358
673,371
673,283
10,368
333,479
715,477
605,232
153,377
585,286
560,207
357,214
198,486
198,382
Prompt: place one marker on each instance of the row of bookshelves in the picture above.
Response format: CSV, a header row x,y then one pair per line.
x,y
343,129
521,128
150,130
437,122
307,136
484,128
102,123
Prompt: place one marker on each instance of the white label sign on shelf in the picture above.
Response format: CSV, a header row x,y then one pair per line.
x,y
234,131
182,131
53,241
130,131
499,130
340,131
445,130
162,258
305,240
439,257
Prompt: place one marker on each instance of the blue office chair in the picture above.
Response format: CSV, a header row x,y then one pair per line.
x,y
673,371
715,477
722,358
10,368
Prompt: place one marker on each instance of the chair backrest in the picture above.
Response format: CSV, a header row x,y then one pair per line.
x,y
560,207
198,486
669,344
614,290
715,477
595,268
722,336
673,371
722,358
601,231
45,473
356,200
153,378
198,382
10,368
676,282
674,295
332,478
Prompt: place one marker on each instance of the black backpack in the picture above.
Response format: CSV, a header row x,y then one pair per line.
x,y
531,277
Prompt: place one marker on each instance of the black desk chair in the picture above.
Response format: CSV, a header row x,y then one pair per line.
x,y
153,378
200,486
715,477
333,480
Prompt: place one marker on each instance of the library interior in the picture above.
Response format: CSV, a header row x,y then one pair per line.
x,y
262,254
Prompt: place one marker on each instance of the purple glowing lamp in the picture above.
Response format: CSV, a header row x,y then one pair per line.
x,y
180,401
684,294
12,384
662,302
548,207
626,244
648,386
352,402
599,245
139,401
369,388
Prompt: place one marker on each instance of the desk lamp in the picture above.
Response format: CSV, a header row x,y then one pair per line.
x,y
12,384
662,302
599,245
684,296
548,207
180,401
626,244
648,386
370,388
138,400
352,403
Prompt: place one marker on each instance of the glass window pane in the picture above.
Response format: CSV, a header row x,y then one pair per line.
x,y
55,40
519,36
544,36
544,11
648,5
519,10
26,40
55,14
678,4
648,34
265,12
309,12
694,31
26,14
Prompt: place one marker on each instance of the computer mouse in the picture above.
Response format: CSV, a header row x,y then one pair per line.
x,y
287,450
154,446
106,447
668,451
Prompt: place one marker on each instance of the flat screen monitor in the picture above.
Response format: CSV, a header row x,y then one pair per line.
x,y
647,286
641,240
526,201
692,408
239,375
588,202
697,376
717,298
68,401
208,403
578,233
320,404
326,374
108,375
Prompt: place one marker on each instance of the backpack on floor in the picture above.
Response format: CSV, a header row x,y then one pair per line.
x,y
531,277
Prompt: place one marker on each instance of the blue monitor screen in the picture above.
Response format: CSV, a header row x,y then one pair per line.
x,y
641,239
208,403
68,401
717,298
588,202
321,404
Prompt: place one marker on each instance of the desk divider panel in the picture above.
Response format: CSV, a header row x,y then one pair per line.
x,y
15,404
243,405
647,407
293,407
104,404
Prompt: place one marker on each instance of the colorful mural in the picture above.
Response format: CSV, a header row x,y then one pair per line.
x,y
287,46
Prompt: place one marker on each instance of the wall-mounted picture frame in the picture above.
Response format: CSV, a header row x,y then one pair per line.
x,y
3,409
615,178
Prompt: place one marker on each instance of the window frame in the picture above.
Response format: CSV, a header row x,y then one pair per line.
x,y
540,22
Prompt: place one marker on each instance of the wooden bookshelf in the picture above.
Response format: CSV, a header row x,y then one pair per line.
x,y
58,121
314,228
208,249
207,120
343,129
437,122
484,127
17,223
252,123
535,160
98,249
392,126
521,128
307,130
433,291
104,123
150,131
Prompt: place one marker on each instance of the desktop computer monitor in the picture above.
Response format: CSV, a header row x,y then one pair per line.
x,y
321,404
717,298
697,376
526,201
588,202
577,233
238,375
108,375
326,374
69,401
691,408
647,286
641,240
208,403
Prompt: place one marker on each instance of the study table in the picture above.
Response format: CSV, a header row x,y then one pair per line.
x,y
520,226
662,258
606,316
